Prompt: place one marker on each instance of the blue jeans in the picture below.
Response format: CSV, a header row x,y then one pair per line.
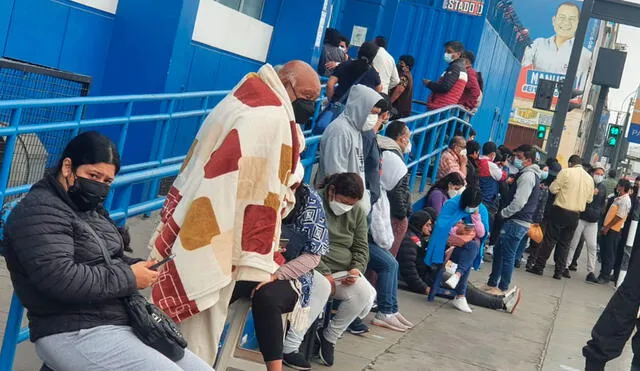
x,y
521,248
386,267
464,257
504,254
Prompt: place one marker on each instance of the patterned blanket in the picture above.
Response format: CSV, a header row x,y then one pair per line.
x,y
223,213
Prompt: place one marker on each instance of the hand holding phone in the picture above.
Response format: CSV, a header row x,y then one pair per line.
x,y
162,262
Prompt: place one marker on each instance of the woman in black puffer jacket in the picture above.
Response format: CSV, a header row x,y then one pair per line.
x,y
73,298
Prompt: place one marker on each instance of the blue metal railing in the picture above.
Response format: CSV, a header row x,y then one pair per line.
x,y
430,133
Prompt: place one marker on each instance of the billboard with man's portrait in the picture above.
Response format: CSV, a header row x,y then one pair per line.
x,y
552,26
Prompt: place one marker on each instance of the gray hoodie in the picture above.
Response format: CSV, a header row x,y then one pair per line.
x,y
341,143
526,184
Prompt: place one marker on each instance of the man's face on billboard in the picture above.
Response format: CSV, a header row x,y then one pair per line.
x,y
565,22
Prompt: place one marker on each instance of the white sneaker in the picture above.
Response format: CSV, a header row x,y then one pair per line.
x,y
512,301
511,292
461,305
404,321
453,281
389,321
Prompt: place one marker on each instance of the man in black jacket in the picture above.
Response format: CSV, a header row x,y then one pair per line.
x,y
588,225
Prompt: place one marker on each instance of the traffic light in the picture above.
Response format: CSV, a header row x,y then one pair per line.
x,y
614,135
542,132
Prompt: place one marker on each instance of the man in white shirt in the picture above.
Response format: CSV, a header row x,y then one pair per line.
x,y
386,66
552,54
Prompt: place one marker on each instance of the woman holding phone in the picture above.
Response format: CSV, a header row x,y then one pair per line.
x,y
73,297
347,258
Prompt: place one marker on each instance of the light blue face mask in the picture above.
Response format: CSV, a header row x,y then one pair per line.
x,y
518,163
544,175
448,57
470,210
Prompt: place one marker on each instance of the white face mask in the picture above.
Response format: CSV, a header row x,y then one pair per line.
x,y
448,57
372,120
598,179
463,152
452,193
339,208
408,148
470,210
342,48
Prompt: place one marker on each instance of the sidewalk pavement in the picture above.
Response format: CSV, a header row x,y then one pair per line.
x,y
547,331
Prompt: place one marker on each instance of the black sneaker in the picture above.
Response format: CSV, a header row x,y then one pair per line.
x,y
557,276
326,349
535,270
566,274
573,267
591,278
603,280
296,361
357,327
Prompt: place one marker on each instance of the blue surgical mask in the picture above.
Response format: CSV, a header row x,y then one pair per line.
x,y
448,57
518,163
544,175
470,210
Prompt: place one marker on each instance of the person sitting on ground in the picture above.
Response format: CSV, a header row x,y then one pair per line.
x,y
341,145
357,71
54,243
402,94
305,229
459,234
446,188
386,66
454,158
419,277
347,258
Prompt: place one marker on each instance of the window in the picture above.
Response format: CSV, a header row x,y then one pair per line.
x,y
252,8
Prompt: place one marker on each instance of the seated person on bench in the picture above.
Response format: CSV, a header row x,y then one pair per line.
x,y
459,234
289,287
419,277
347,258
305,228
73,297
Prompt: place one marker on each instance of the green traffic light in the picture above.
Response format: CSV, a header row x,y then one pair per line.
x,y
614,130
612,142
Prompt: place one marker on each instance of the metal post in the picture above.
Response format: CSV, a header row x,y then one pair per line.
x,y
596,119
627,120
557,126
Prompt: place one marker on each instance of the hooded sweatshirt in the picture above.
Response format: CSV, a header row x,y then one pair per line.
x,y
525,201
341,149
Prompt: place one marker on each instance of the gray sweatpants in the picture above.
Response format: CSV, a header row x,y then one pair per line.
x,y
107,348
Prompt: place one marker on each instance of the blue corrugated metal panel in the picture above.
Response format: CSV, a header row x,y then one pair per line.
x,y
500,69
422,30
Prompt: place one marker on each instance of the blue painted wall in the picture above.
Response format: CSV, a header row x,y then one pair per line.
x,y
57,34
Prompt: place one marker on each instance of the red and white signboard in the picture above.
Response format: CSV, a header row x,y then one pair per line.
x,y
471,7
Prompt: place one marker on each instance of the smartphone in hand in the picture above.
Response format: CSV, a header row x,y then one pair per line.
x,y
162,262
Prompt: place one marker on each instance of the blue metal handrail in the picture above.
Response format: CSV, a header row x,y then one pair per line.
x,y
430,133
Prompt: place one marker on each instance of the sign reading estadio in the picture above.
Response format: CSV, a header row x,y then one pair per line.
x,y
471,7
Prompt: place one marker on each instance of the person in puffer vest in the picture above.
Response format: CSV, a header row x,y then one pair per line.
x,y
518,216
448,89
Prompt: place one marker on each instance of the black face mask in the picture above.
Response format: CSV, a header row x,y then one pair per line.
x,y
303,109
87,194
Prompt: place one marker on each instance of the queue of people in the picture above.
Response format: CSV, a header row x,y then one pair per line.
x,y
287,246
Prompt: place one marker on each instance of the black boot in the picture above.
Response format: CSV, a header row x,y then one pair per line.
x,y
536,270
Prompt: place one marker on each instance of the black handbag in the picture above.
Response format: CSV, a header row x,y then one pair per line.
x,y
150,324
